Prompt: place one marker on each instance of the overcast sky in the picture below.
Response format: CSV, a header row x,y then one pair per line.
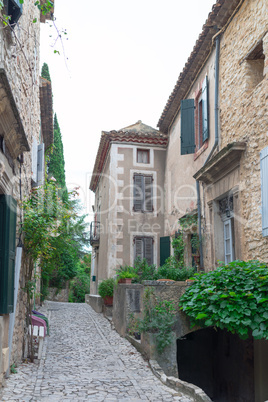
x,y
123,59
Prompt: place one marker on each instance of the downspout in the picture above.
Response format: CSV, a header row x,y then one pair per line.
x,y
216,114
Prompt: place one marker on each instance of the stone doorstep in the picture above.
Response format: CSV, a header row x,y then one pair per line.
x,y
189,389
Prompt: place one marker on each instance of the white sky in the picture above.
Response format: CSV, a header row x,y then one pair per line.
x,y
124,58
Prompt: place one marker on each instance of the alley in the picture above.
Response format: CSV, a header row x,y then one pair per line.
x,y
85,359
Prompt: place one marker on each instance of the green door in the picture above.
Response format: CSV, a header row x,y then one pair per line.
x,y
164,249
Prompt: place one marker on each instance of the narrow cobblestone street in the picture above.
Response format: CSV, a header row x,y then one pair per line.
x,y
85,359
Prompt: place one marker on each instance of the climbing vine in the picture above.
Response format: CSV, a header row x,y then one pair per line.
x,y
234,297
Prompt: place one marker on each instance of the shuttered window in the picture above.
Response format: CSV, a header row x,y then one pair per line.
x,y
187,127
164,249
144,249
205,109
41,164
264,190
8,218
143,193
13,8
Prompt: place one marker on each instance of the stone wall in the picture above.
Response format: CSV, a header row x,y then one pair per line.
x,y
58,295
243,113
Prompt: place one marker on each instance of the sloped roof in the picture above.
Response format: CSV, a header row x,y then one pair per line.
x,y
217,19
138,133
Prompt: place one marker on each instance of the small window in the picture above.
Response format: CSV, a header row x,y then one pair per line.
x,y
143,156
13,8
143,193
143,249
255,66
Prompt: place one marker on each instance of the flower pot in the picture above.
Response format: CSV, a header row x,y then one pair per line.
x,y
125,280
137,335
108,300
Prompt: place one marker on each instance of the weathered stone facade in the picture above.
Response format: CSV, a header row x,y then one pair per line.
x,y
20,121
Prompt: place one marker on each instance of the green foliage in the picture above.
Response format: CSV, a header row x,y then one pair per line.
x,y
56,164
234,296
80,285
133,324
13,368
106,287
126,271
172,270
178,246
45,72
158,318
144,271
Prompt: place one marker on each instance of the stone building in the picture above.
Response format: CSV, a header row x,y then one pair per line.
x,y
128,179
26,131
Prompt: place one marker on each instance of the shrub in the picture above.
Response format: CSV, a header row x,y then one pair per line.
x,y
106,287
234,296
145,272
172,270
79,287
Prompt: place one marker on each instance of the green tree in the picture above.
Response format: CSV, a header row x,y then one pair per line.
x,y
45,72
56,166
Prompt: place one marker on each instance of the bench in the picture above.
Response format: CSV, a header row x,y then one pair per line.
x,y
39,333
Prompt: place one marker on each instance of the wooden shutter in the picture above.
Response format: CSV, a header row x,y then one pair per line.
x,y
138,192
34,160
205,125
41,164
148,249
187,127
228,241
264,190
164,249
8,219
148,193
138,248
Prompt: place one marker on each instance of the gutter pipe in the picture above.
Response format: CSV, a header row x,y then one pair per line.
x,y
216,113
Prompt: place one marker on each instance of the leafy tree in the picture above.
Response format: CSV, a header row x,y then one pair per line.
x,y
80,285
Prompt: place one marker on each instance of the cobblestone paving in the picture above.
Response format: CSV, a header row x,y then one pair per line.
x,y
84,359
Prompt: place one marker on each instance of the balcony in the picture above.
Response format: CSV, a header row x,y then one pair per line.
x,y
94,234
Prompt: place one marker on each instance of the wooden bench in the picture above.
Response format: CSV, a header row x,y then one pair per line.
x,y
39,333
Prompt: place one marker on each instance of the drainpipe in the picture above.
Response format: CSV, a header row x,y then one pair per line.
x,y
216,113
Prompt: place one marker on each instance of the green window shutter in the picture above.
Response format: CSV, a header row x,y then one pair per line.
x,y
8,219
148,193
164,249
264,190
205,109
187,127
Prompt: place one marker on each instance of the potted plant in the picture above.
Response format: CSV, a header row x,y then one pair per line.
x,y
133,327
106,291
125,274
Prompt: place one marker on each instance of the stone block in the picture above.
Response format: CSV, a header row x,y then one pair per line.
x,y
95,301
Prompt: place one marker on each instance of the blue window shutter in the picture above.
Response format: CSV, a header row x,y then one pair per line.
x,y
41,164
264,190
164,249
205,109
187,127
8,219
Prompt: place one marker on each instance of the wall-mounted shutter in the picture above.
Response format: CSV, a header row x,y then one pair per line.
x,y
148,250
187,127
138,248
264,190
138,192
8,219
148,193
41,164
205,109
34,160
164,249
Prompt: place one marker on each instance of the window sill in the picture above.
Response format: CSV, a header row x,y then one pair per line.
x,y
201,150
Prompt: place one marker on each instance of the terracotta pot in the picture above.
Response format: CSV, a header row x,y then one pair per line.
x,y
108,300
125,280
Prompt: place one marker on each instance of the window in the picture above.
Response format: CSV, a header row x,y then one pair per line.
x,y
13,8
194,121
143,156
264,190
255,66
38,163
164,249
144,249
8,219
228,240
143,193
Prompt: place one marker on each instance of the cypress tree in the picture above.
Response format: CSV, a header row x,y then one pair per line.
x,y
45,72
57,164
